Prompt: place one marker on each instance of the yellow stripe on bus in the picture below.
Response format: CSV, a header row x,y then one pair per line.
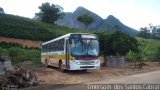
x,y
58,57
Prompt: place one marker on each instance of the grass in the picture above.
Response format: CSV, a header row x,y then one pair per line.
x,y
151,46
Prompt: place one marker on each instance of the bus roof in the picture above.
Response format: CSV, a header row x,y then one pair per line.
x,y
64,36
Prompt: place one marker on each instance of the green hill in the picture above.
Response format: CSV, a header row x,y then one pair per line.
x,y
25,28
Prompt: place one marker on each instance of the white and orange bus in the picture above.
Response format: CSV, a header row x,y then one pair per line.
x,y
73,51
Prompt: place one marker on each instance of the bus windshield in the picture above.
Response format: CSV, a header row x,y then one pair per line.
x,y
85,47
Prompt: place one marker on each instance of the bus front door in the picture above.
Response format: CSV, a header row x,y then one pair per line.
x,y
67,54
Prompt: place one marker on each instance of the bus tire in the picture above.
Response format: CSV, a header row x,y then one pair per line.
x,y
46,63
61,66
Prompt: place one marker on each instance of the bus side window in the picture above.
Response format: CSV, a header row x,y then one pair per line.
x,y
54,48
61,45
47,46
44,48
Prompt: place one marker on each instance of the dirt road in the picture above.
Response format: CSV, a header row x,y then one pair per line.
x,y
54,76
51,78
143,78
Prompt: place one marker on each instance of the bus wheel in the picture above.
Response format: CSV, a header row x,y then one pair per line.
x,y
61,67
46,63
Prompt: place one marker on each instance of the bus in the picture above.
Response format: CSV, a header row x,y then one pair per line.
x,y
73,51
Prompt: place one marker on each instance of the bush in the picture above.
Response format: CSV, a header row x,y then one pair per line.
x,y
157,54
9,45
18,55
140,56
3,52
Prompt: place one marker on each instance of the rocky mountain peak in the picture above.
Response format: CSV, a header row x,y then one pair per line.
x,y
112,18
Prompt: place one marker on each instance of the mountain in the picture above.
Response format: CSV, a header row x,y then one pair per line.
x,y
111,23
1,10
65,18
70,19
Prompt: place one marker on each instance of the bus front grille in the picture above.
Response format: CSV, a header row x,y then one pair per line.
x,y
87,63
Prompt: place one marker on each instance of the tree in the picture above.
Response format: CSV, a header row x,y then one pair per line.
x,y
50,13
116,43
85,19
153,32
102,39
119,43
102,44
145,33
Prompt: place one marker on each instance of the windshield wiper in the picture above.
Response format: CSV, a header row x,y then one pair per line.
x,y
88,55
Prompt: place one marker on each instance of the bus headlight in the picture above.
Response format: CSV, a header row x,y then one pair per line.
x,y
76,62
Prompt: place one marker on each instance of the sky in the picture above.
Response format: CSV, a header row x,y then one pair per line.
x,y
133,13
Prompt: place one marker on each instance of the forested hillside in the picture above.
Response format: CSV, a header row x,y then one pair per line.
x,y
24,28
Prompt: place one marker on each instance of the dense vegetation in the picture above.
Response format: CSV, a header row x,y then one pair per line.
x,y
116,43
24,28
111,43
149,50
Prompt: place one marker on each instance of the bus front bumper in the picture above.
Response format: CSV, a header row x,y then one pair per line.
x,y
77,66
